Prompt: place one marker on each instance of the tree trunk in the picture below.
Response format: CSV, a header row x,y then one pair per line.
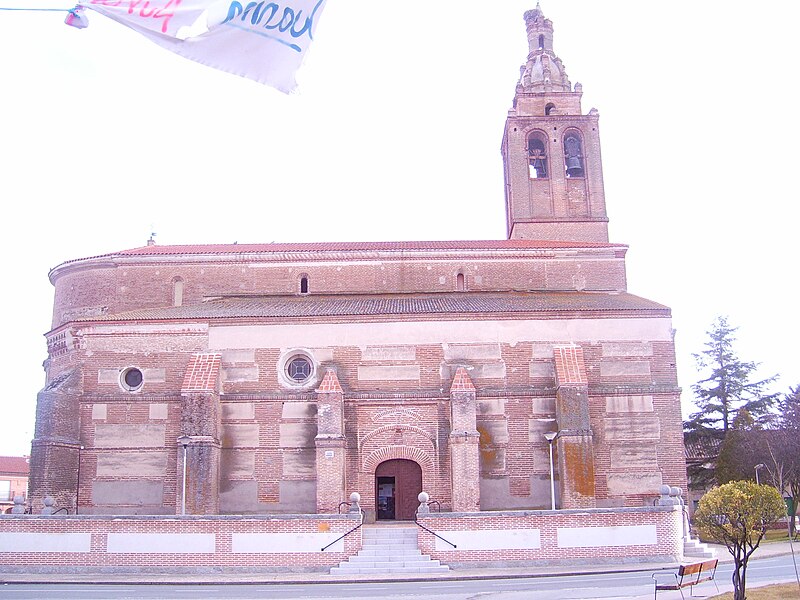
x,y
739,570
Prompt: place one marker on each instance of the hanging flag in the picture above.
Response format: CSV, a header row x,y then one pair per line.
x,y
263,41
77,18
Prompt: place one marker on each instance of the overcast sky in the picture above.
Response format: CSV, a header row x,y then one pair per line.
x,y
394,134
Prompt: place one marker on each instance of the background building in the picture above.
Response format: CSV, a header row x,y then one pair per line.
x,y
13,480
278,378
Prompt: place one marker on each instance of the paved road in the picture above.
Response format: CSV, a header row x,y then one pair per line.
x,y
610,586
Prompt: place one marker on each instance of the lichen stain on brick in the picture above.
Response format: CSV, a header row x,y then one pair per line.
x,y
487,449
580,468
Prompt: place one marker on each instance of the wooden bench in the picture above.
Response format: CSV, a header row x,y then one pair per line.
x,y
687,576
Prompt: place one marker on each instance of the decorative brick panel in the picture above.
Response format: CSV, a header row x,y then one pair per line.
x,y
589,536
68,544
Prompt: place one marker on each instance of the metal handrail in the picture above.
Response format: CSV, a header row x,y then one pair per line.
x,y
341,504
64,508
432,532
437,503
341,537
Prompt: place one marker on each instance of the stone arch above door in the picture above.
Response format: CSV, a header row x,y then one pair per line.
x,y
422,458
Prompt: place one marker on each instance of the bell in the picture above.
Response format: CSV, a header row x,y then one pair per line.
x,y
574,166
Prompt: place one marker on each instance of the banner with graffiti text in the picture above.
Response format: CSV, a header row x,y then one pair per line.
x,y
263,41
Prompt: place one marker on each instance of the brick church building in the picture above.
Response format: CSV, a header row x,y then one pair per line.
x,y
279,378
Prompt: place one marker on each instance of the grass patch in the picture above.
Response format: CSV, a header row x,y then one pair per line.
x,y
776,535
773,535
768,592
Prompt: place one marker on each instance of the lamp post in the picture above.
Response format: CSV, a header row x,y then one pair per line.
x,y
550,437
757,467
184,441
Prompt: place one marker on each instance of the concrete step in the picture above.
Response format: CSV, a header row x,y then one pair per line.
x,y
693,548
407,541
406,558
393,564
383,551
389,534
389,550
350,570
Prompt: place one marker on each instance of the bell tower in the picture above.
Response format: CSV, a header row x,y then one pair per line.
x,y
551,152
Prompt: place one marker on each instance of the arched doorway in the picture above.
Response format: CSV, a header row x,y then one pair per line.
x,y
398,482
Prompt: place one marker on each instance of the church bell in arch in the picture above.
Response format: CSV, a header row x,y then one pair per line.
x,y
546,124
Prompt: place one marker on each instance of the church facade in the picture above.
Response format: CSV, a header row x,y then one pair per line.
x,y
280,378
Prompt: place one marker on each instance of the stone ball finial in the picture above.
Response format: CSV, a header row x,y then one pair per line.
x,y
355,507
423,508
665,490
674,491
49,505
19,506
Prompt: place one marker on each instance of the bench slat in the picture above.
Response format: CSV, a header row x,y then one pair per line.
x,y
689,575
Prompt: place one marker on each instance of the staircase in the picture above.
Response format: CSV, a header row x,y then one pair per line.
x,y
695,549
389,550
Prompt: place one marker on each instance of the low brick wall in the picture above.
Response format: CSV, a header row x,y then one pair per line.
x,y
293,543
590,536
157,544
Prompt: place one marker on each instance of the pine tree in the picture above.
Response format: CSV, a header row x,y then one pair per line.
x,y
728,388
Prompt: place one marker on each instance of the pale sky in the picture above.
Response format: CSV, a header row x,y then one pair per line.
x,y
394,134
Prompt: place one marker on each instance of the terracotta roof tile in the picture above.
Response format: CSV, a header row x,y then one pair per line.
x,y
702,449
475,304
314,247
357,246
14,465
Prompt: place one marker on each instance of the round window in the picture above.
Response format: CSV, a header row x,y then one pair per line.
x,y
299,369
131,379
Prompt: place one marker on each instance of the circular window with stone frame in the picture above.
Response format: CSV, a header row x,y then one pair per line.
x,y
131,379
297,370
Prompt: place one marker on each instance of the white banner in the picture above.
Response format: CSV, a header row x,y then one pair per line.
x,y
264,41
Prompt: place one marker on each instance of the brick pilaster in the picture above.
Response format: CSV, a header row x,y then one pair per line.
x,y
330,443
464,451
201,423
55,449
574,446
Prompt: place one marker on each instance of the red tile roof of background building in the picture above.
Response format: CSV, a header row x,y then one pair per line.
x,y
14,465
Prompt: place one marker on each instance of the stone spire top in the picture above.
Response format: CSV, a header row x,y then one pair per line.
x,y
544,71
